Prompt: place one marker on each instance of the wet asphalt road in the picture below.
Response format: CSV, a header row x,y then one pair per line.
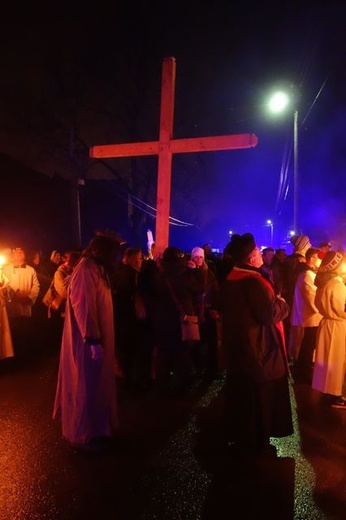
x,y
169,462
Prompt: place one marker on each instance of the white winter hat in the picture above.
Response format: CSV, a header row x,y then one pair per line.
x,y
197,251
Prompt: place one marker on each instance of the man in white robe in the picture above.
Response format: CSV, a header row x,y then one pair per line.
x,y
22,290
86,391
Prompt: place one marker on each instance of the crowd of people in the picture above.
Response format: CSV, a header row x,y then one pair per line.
x,y
262,317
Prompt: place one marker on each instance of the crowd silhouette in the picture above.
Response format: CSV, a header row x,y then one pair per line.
x,y
246,304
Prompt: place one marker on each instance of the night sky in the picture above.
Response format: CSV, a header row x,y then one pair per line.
x,y
74,79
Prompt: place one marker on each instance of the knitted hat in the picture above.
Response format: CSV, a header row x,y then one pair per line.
x,y
197,251
241,246
332,262
300,243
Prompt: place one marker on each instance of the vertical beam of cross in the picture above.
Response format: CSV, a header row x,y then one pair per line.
x,y
164,176
166,147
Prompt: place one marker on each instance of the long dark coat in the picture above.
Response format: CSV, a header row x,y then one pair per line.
x,y
132,341
257,391
171,353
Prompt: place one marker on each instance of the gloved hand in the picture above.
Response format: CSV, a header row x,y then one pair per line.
x,y
97,352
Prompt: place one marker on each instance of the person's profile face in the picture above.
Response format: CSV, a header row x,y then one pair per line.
x,y
56,258
134,260
256,258
316,261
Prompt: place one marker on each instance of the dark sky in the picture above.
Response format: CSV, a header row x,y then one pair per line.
x,y
98,71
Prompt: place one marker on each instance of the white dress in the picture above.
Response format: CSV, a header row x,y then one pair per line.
x,y
6,346
86,393
330,359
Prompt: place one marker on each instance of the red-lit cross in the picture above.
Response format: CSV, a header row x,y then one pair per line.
x,y
165,147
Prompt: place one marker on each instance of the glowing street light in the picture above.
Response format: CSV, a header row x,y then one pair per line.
x,y
279,102
271,224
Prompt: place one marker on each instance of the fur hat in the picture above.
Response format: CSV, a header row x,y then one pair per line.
x,y
331,262
301,243
197,251
241,246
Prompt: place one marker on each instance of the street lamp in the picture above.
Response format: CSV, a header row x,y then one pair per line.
x,y
271,224
278,103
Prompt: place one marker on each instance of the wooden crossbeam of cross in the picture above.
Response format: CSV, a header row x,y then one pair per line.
x,y
165,147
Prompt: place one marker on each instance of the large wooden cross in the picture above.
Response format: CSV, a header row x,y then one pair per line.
x,y
165,147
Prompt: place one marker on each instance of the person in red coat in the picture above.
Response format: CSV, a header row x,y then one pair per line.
x,y
257,399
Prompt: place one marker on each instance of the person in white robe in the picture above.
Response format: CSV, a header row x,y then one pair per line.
x,y
22,291
6,346
85,398
23,285
330,359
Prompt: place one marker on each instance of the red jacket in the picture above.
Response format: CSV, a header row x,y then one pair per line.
x,y
252,315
